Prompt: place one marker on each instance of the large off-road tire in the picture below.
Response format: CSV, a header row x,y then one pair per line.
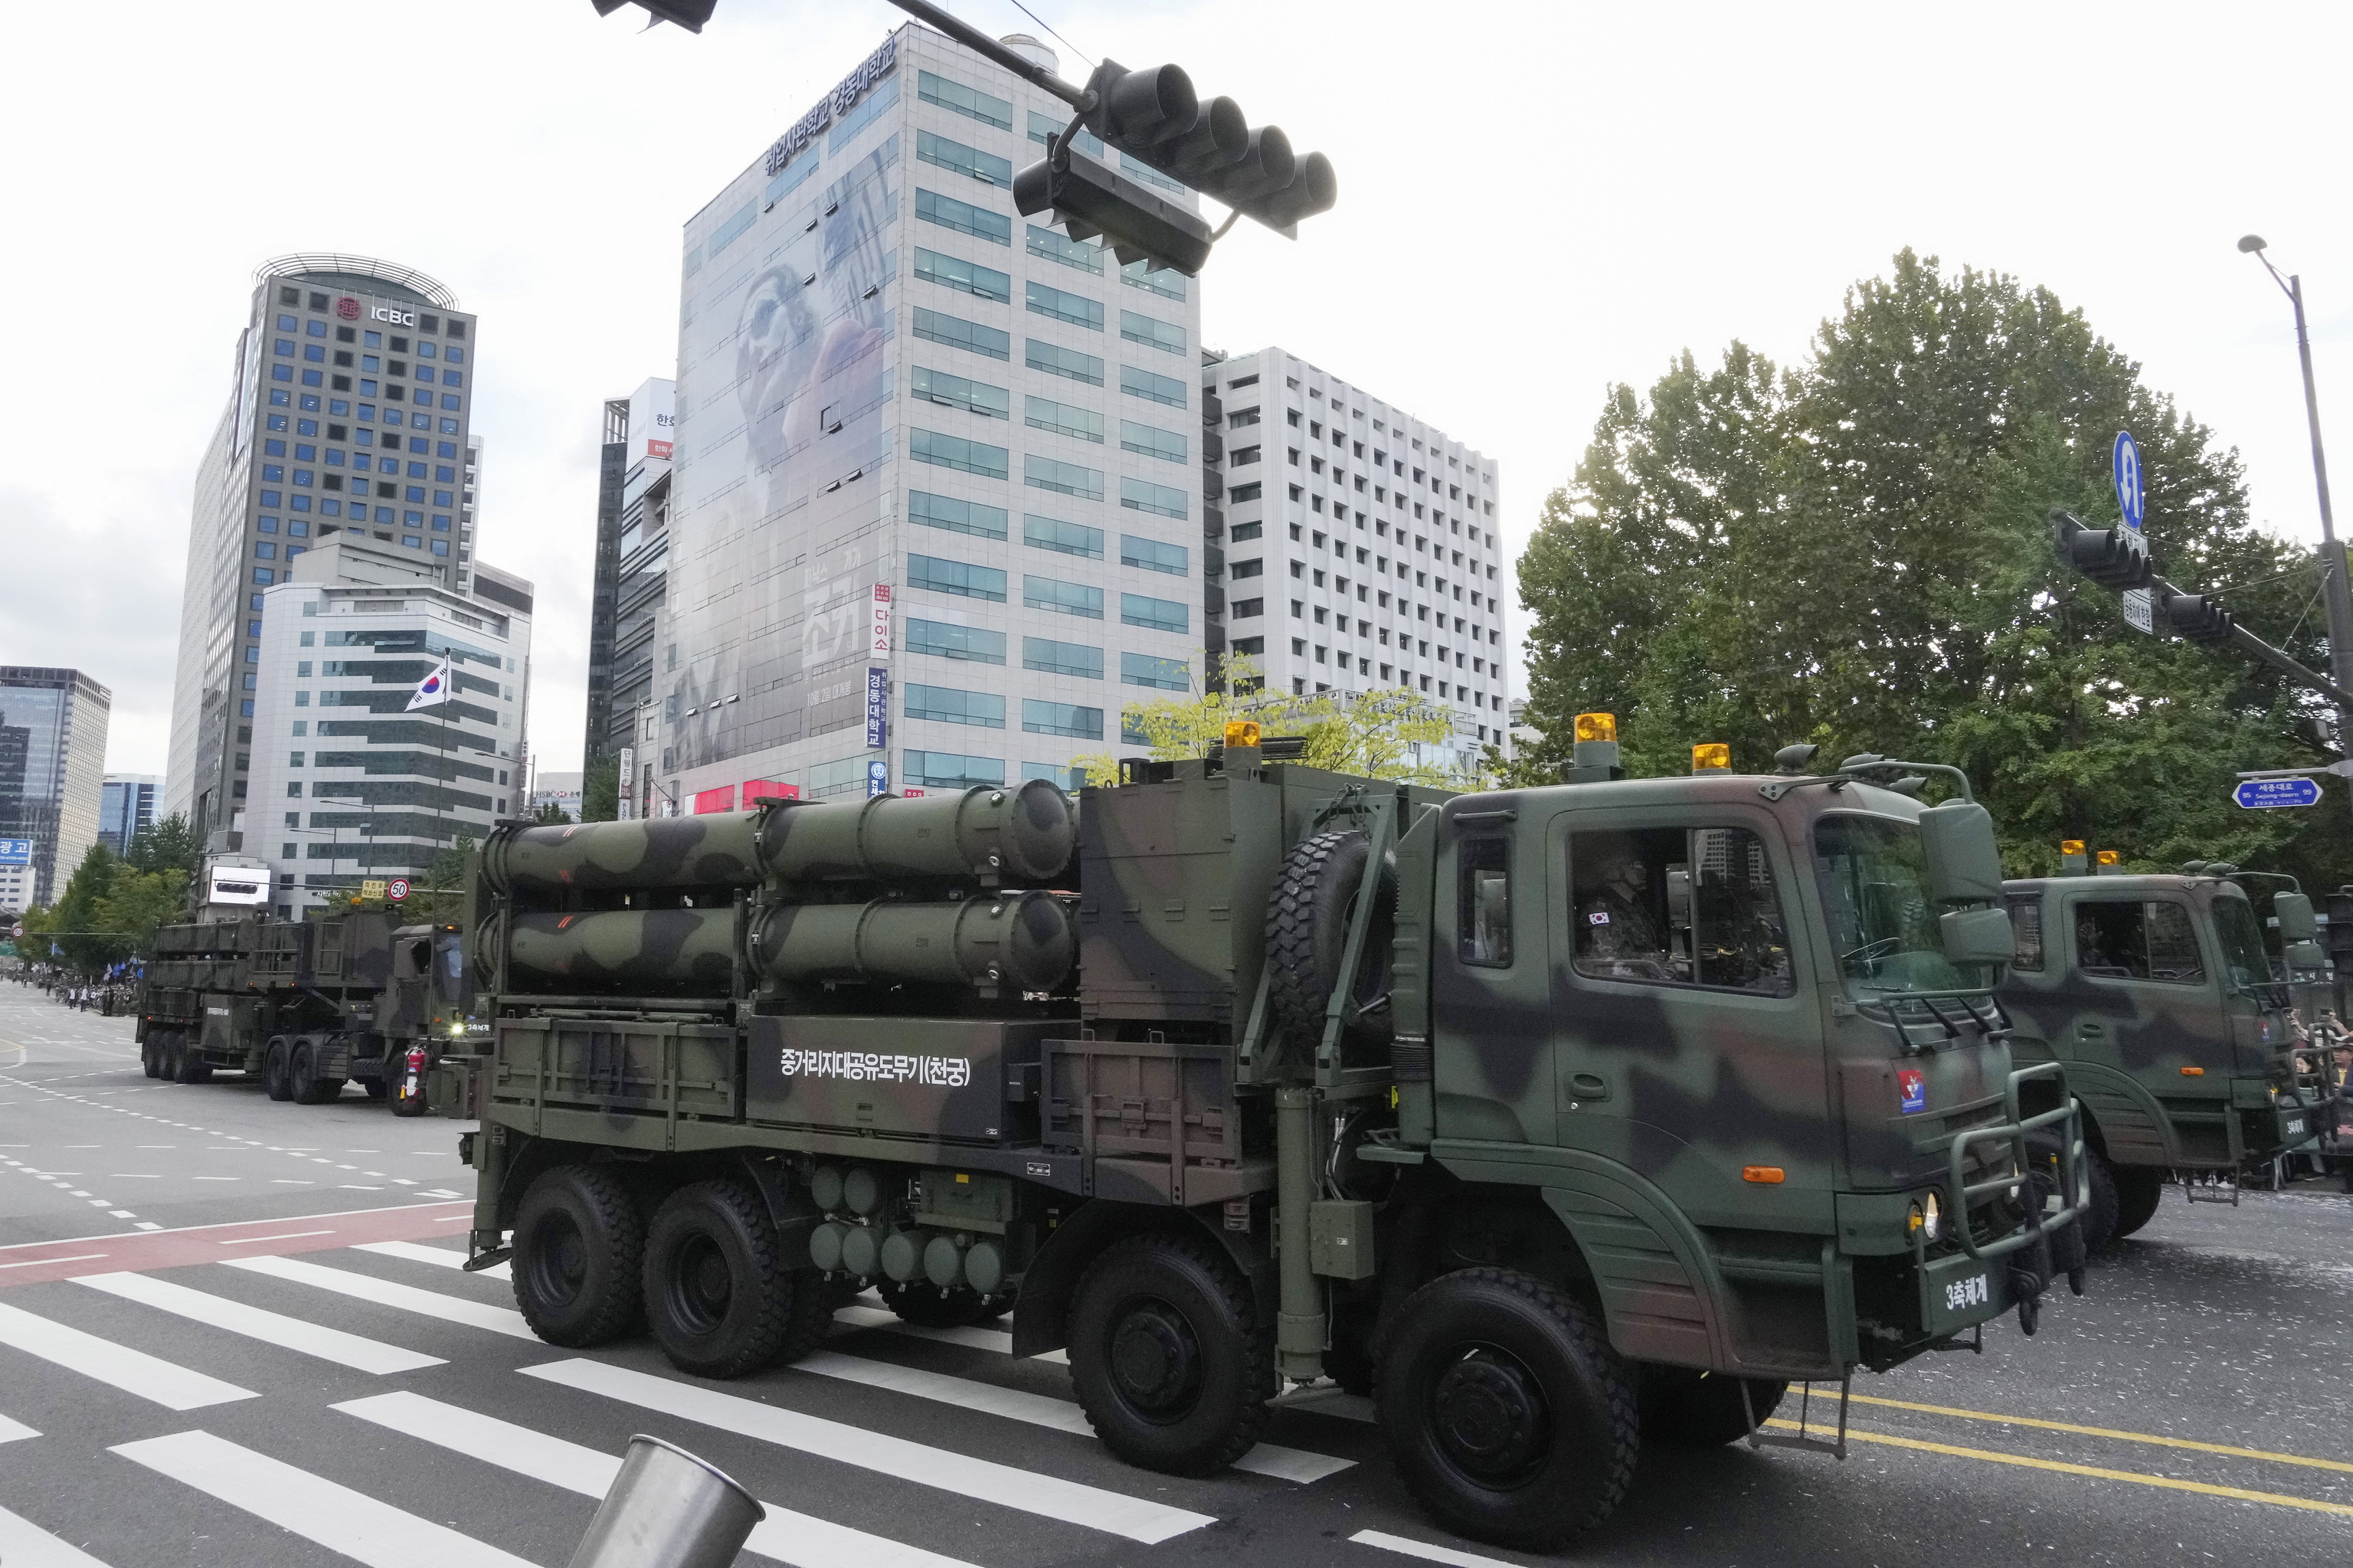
x,y
302,1080
718,1295
926,1306
151,1056
1508,1415
376,1088
2098,1224
188,1063
1167,1356
1686,1408
579,1257
808,1315
167,1059
1307,930
2139,1188
277,1070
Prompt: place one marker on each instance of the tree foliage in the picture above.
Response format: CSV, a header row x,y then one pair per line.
x,y
109,911
1379,733
167,845
1853,552
449,866
600,790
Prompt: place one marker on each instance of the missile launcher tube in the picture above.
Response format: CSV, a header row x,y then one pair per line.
x,y
1025,940
721,850
648,952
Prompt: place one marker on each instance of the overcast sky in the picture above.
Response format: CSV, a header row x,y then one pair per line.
x,y
1536,201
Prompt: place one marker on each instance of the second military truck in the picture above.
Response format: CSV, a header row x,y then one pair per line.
x,y
1588,1115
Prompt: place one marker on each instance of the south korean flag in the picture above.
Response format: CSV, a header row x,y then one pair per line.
x,y
433,689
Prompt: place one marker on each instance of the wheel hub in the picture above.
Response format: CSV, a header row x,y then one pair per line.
x,y
702,1284
1489,1414
1155,1359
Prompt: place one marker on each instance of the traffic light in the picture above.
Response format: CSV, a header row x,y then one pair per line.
x,y
2117,558
688,14
2198,618
1154,117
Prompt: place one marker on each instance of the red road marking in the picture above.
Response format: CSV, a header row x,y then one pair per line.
x,y
29,1262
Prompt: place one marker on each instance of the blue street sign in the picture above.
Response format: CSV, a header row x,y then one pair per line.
x,y
877,776
2127,473
2257,794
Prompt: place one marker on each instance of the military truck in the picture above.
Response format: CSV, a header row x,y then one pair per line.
x,y
2177,1030
306,1006
1588,1115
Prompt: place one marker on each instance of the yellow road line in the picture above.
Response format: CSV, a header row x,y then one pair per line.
x,y
2234,1452
24,1057
2093,1471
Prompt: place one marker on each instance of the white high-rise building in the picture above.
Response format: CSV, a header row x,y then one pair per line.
x,y
937,505
1361,546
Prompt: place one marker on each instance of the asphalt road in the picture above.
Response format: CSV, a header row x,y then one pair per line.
x,y
307,1401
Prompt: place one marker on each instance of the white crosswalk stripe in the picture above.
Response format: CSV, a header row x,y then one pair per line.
x,y
255,1323
23,1544
390,1293
1050,1496
15,1432
972,1337
784,1535
440,1256
333,1516
1039,1410
133,1372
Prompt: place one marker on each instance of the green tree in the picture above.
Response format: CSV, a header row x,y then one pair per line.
x,y
1853,552
166,845
549,813
448,867
600,790
1374,733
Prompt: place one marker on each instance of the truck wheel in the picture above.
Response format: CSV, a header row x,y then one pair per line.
x,y
808,1315
2099,1222
277,1081
1686,1408
1167,1357
579,1249
150,1057
375,1087
718,1295
1308,927
1508,1415
2138,1189
925,1305
302,1081
188,1063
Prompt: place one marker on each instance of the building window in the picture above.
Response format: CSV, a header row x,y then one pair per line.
x,y
1166,336
1163,674
1068,478
1042,716
969,644
1249,608
1156,614
1138,382
1080,660
964,218
1167,282
1063,599
1234,497
946,770
958,578
1063,419
930,511
1067,363
957,452
1066,539
1151,440
935,326
965,276
951,704
1052,247
1143,496
970,162
1152,555
1045,300
956,392
969,102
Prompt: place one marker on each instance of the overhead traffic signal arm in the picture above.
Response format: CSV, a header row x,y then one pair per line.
x,y
2119,558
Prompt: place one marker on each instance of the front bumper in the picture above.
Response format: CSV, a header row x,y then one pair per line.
x,y
2011,1262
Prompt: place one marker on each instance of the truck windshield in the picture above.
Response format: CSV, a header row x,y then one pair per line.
x,y
1884,928
2243,943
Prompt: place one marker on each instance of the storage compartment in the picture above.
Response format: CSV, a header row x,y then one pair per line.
x,y
624,1065
1153,1112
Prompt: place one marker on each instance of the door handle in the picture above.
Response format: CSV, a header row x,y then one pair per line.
x,y
2092,1030
1589,1086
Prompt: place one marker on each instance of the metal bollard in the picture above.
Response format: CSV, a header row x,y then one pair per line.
x,y
668,1510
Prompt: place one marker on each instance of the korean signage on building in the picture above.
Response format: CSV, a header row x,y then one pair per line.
x,y
15,851
839,101
878,707
880,647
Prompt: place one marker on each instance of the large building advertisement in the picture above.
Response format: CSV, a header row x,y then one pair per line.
x,y
783,507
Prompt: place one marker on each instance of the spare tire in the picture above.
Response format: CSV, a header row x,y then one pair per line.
x,y
1307,930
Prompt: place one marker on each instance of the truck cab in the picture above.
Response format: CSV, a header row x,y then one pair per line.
x,y
2175,1026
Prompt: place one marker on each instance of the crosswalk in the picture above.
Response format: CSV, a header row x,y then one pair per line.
x,y
252,1383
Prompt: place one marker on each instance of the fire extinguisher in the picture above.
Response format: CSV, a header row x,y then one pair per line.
x,y
410,1090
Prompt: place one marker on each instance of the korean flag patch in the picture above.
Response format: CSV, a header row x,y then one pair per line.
x,y
1912,1085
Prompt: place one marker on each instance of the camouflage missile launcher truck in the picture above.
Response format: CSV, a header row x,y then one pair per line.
x,y
308,1005
2177,1032
1584,1094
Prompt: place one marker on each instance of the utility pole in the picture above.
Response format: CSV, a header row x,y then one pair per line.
x,y
2334,587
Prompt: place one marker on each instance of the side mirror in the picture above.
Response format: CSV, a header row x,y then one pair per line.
x,y
1964,861
1976,936
2295,922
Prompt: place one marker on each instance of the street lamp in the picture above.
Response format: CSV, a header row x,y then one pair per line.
x,y
2334,588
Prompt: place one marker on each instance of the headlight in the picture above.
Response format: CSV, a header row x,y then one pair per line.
x,y
1927,1218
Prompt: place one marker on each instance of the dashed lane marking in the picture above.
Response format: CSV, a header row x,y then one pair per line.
x,y
1424,1550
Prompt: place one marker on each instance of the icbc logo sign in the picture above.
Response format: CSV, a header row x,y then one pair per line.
x,y
348,308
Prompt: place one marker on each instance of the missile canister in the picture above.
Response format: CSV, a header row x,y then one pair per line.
x,y
715,851
652,952
1022,834
1023,940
